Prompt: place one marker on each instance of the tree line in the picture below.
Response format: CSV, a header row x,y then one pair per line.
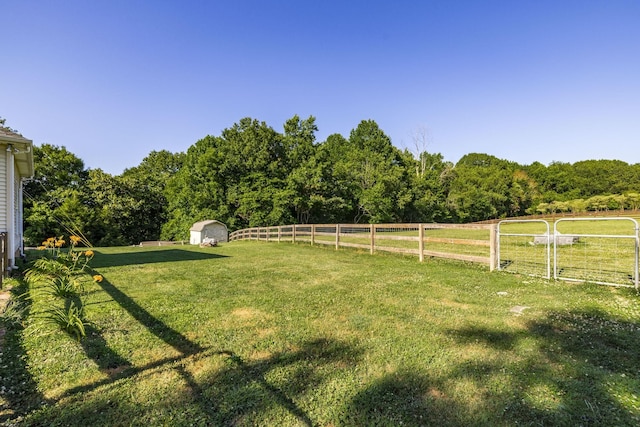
x,y
252,175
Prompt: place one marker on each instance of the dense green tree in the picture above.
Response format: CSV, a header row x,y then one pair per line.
x,y
252,175
129,209
144,190
59,175
256,190
157,165
197,191
304,178
485,187
55,167
429,186
632,200
480,188
369,174
559,182
239,178
594,177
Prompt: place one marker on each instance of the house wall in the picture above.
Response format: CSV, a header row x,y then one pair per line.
x,y
11,215
3,188
17,216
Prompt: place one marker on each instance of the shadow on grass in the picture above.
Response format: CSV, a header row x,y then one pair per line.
x,y
583,366
167,334
235,395
96,348
149,256
19,392
404,398
239,391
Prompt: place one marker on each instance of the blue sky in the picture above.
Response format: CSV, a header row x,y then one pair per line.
x,y
522,80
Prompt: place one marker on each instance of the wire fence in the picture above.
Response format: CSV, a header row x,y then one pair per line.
x,y
596,250
524,247
604,251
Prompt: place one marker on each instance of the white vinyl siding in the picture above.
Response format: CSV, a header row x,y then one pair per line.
x,y
17,214
3,188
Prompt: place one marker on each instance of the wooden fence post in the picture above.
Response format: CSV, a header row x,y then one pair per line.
x,y
493,241
279,232
337,236
293,233
421,242
313,234
373,238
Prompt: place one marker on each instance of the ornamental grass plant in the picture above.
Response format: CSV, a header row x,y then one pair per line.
x,y
56,281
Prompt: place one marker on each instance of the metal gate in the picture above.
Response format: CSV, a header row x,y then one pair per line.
x,y
596,250
524,247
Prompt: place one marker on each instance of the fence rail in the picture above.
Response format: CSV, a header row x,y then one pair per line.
x,y
597,250
464,242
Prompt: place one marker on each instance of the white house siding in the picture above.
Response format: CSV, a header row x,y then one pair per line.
x,y
17,215
15,165
4,190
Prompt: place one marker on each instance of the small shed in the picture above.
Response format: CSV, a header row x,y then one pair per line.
x,y
210,229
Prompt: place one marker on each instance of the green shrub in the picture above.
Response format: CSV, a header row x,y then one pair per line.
x,y
69,318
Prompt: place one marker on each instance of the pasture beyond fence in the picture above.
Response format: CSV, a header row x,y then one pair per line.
x,y
596,250
463,242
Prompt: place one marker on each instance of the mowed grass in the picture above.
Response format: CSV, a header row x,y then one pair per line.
x,y
256,333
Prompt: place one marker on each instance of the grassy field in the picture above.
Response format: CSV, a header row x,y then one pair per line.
x,y
255,333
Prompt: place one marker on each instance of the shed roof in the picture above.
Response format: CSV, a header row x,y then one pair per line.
x,y
22,149
199,226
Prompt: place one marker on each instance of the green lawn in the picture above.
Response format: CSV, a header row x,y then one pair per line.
x,y
256,333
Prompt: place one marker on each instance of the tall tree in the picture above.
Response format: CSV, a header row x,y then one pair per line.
x,y
369,171
59,175
429,187
130,210
147,183
55,167
239,178
486,187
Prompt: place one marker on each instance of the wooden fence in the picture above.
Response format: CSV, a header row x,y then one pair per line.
x,y
464,242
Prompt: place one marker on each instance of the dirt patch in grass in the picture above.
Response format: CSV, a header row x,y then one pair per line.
x,y
247,313
454,304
